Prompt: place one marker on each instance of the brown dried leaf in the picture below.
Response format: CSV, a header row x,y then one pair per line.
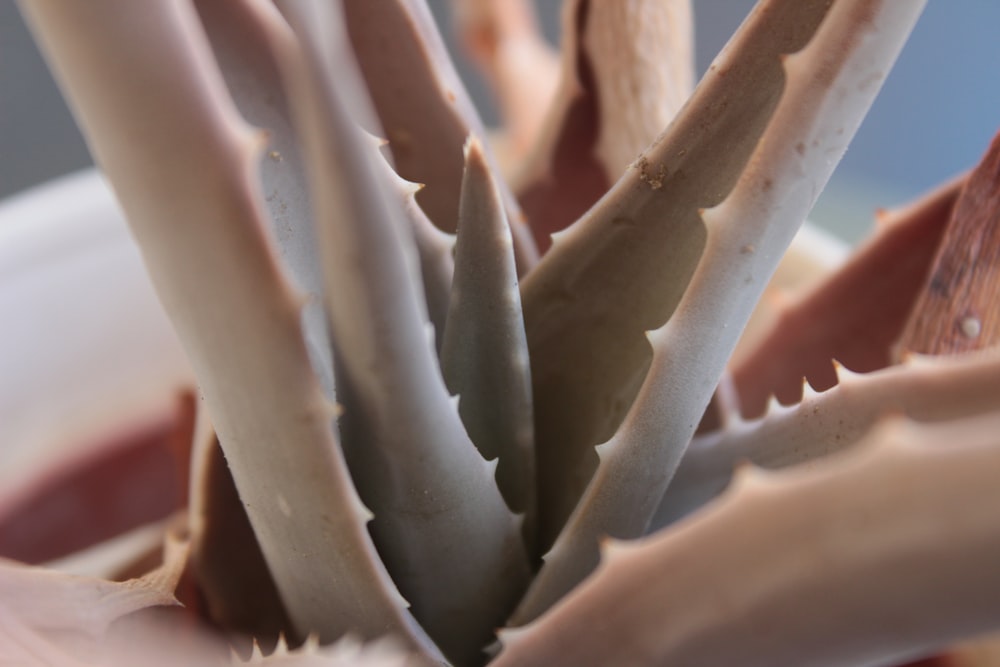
x,y
959,307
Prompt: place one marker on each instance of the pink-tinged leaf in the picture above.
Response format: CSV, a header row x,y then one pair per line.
x,y
345,653
622,268
957,309
423,107
440,522
829,86
50,601
885,554
925,389
854,316
627,67
142,81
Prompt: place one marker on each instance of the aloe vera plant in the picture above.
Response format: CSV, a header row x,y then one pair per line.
x,y
527,401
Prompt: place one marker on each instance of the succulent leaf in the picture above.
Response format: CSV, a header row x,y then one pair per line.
x,y
199,219
400,526
828,579
925,390
441,525
49,601
830,85
621,269
423,107
955,309
627,67
252,78
233,579
484,355
856,315
436,250
345,653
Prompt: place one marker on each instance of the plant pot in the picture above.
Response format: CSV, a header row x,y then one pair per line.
x,y
90,372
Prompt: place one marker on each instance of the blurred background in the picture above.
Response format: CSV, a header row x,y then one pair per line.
x,y
935,117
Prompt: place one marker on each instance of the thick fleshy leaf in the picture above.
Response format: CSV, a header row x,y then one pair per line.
x,y
144,638
422,107
345,653
856,315
252,79
957,308
621,270
829,87
627,67
143,83
49,601
435,250
925,389
484,356
441,525
886,554
235,586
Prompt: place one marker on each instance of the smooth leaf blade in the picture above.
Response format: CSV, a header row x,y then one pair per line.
x,y
484,356
199,217
819,567
830,85
621,270
441,525
423,107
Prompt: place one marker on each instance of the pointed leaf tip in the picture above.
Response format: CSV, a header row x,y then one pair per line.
x,y
472,146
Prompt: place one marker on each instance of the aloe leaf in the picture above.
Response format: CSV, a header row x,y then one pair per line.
x,y
956,308
51,601
345,653
253,81
198,214
820,567
627,67
423,107
484,356
435,250
830,85
621,269
925,389
440,523
856,315
437,265
55,619
109,559
23,645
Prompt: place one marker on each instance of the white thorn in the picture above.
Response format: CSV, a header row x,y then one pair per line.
x,y
808,393
605,449
510,637
844,374
612,548
773,406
